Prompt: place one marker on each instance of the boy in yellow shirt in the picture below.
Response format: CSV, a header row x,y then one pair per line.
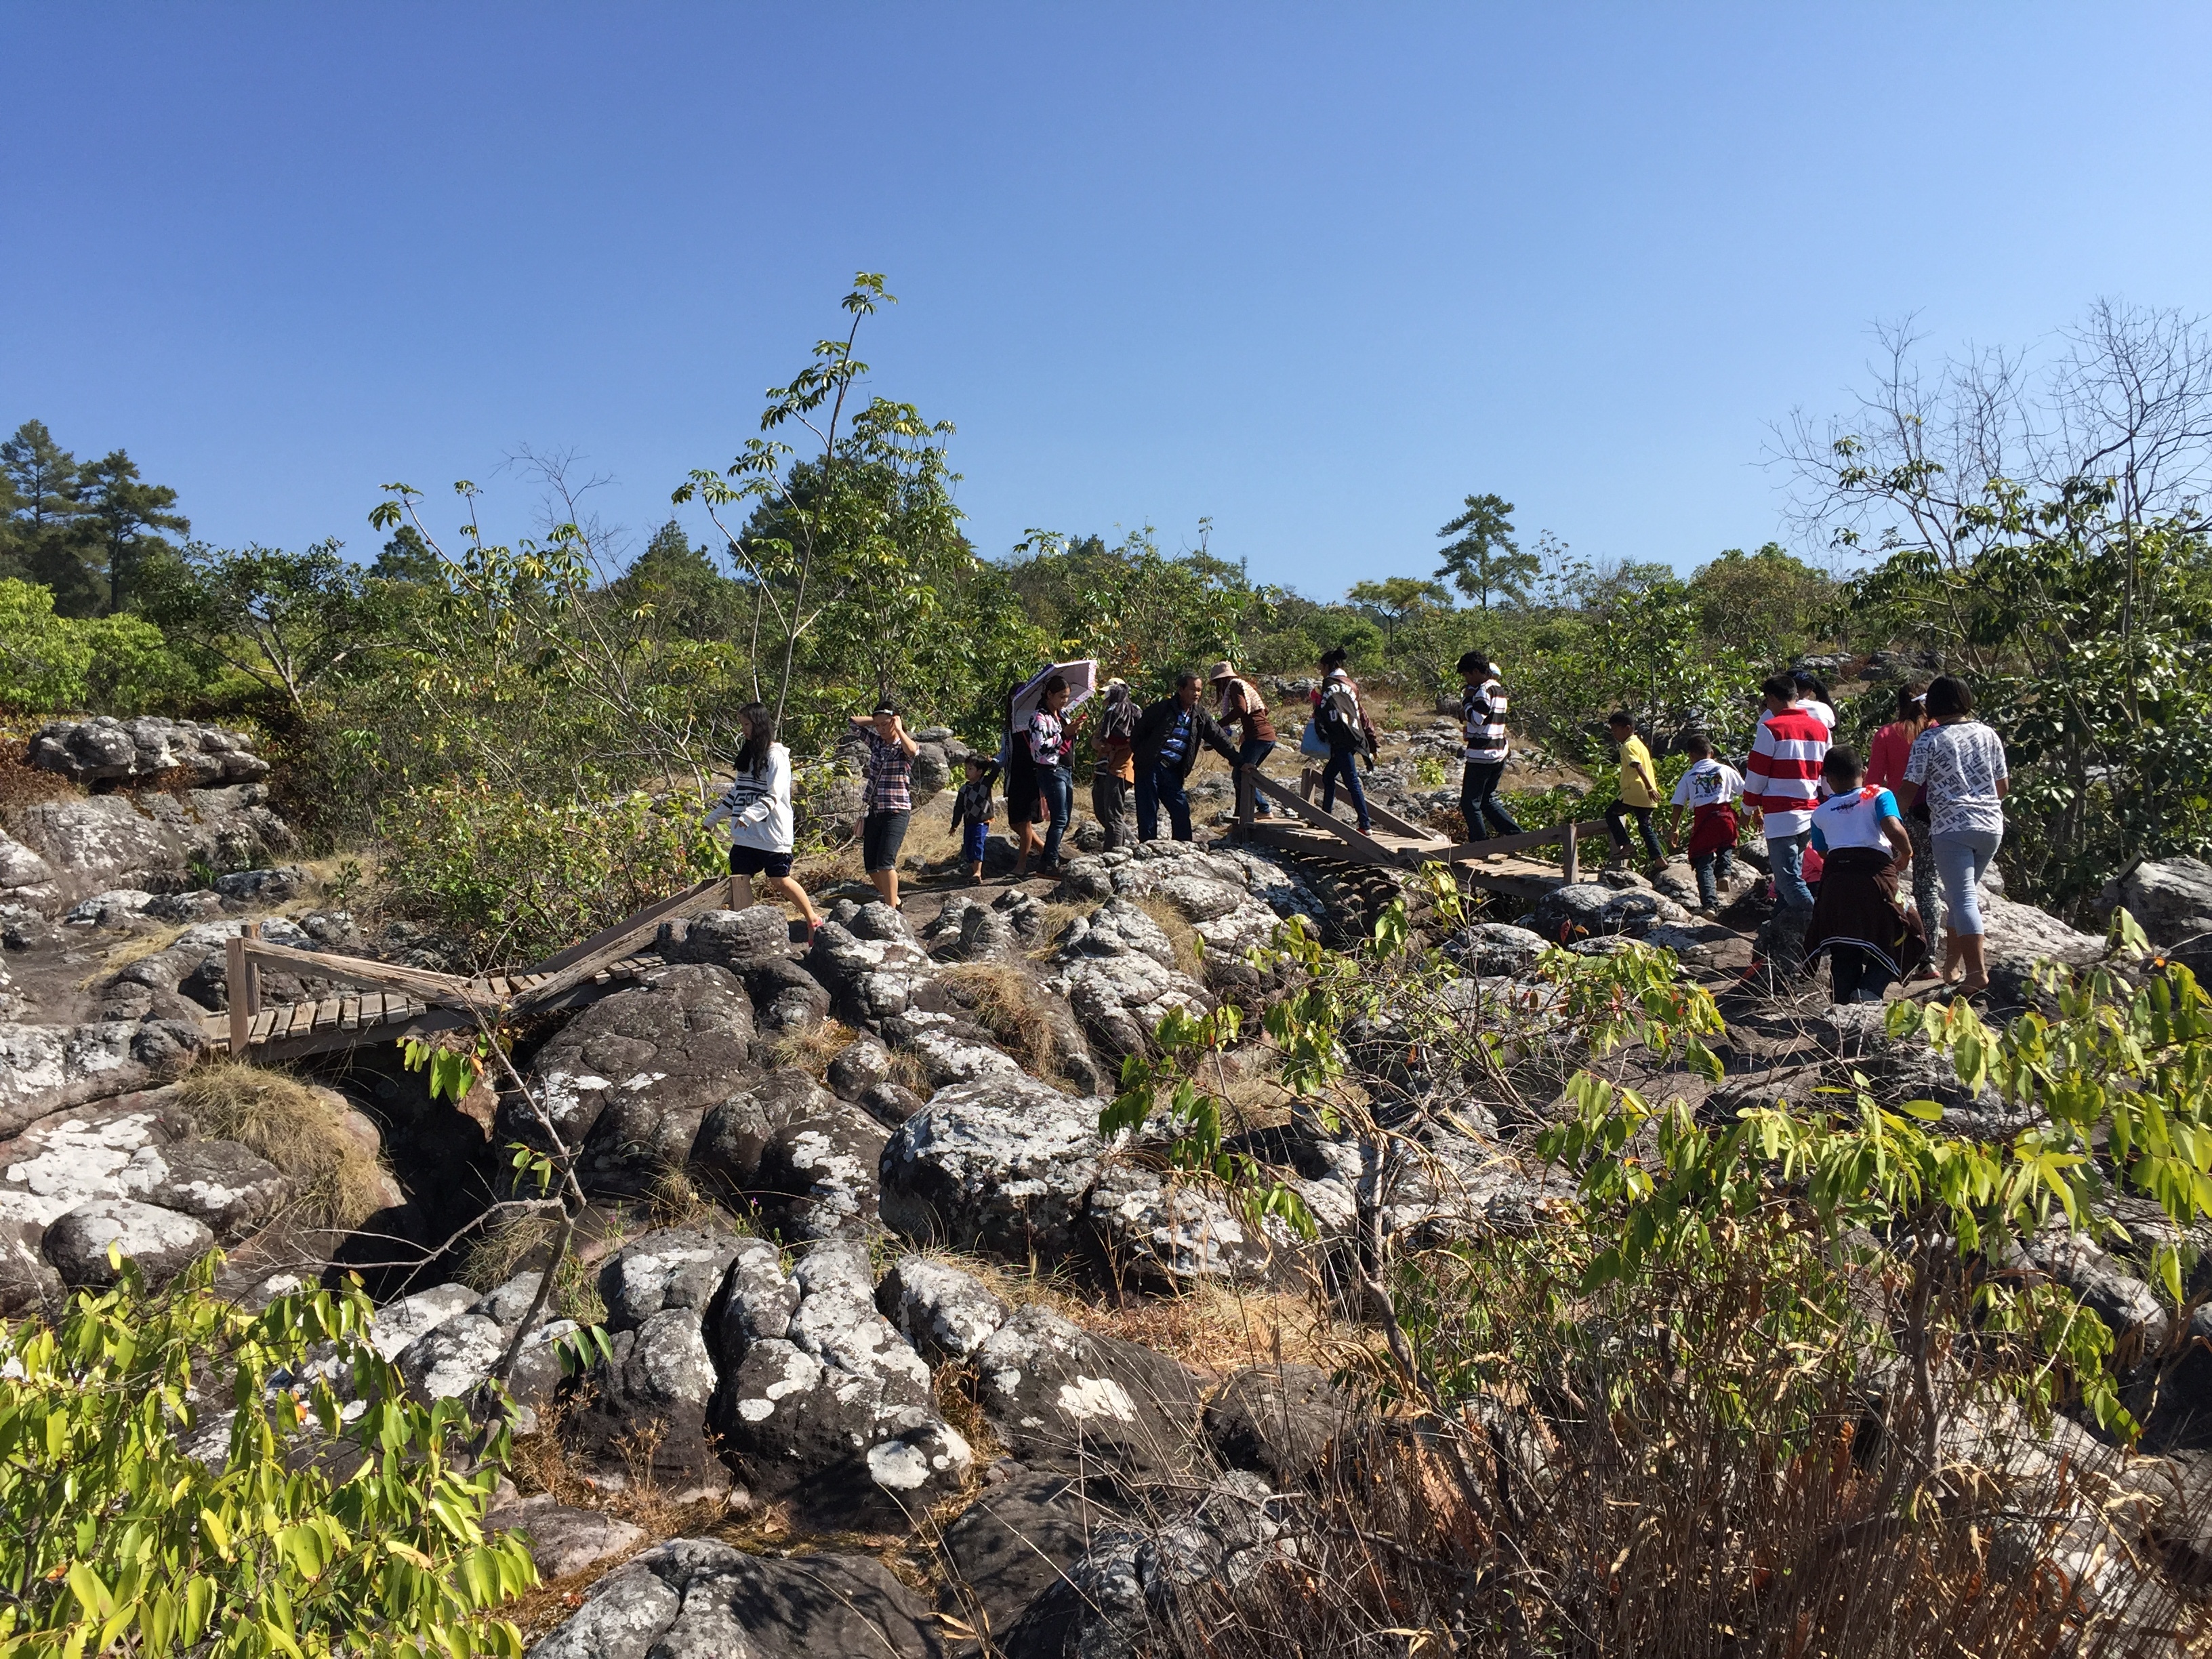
x,y
1639,791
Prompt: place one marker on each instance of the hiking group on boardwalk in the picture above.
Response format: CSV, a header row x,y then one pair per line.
x,y
1869,857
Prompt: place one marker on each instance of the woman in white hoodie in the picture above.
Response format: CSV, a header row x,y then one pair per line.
x,y
757,804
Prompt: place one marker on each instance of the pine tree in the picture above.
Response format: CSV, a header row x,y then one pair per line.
x,y
121,511
43,540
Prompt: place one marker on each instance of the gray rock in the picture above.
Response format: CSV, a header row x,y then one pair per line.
x,y
932,770
667,1269
107,750
623,1617
47,1068
162,1242
1277,1421
280,886
450,1361
739,940
2022,930
73,1156
2137,1317
2170,898
697,1599
232,1189
890,1103
561,1540
28,1283
631,1078
1591,908
399,1323
1060,1398
757,1303
117,907
1495,949
872,964
1130,1593
1013,1544
945,1313
25,877
1161,1232
807,1159
834,1416
149,839
647,1408
1003,1165
859,1066
1116,970
788,1000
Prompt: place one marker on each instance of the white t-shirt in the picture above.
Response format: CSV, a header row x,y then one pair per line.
x,y
758,806
1708,783
1853,820
1820,710
1957,768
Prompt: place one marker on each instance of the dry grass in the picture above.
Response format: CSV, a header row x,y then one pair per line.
x,y
1058,918
294,1127
674,1199
23,784
136,948
521,1244
812,1051
1006,1003
1180,932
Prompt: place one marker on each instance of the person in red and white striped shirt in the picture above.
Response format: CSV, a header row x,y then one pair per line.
x,y
1782,784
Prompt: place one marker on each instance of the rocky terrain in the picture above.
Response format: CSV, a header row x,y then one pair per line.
x,y
884,1308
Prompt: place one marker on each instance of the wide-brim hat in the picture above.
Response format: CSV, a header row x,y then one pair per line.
x,y
1222,671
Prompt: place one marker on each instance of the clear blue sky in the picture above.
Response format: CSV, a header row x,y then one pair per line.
x,y
1315,272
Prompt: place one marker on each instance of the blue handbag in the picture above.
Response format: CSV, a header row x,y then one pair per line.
x,y
1313,742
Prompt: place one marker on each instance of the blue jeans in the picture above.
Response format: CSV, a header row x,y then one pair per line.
x,y
1251,752
1786,853
1478,800
1059,787
1962,860
1720,861
1162,787
1616,824
1345,764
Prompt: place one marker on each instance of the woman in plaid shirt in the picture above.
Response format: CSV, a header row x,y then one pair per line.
x,y
888,801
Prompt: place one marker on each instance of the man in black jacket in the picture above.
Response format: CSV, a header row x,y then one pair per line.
x,y
1166,748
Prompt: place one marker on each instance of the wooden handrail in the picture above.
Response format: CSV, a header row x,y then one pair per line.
x,y
573,966
418,983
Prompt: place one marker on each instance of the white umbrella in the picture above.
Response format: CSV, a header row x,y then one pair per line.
x,y
1082,679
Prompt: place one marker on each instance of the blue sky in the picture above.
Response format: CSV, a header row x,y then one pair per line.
x,y
1315,273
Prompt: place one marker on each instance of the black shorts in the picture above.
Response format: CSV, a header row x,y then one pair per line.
x,y
1021,794
758,861
881,835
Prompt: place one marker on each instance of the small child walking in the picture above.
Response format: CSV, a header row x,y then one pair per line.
x,y
1639,790
1710,789
972,810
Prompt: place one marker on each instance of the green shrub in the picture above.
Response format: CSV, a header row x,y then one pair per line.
x,y
518,878
113,665
126,1533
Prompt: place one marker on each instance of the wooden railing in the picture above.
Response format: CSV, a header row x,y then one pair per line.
x,y
484,995
1428,845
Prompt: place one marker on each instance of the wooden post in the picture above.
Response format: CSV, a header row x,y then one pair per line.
x,y
253,972
1573,865
233,982
1246,794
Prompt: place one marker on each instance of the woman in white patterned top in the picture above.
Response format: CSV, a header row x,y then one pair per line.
x,y
1958,767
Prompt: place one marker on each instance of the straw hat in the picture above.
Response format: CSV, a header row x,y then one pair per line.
x,y
1222,671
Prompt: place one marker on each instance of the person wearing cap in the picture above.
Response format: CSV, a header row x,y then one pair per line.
x,y
887,802
1114,773
1242,707
1886,762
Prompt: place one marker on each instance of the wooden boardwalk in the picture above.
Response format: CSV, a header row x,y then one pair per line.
x,y
1499,864
395,1002
390,1002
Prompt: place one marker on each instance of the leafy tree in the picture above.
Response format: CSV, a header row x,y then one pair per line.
x,y
1768,604
50,662
121,514
847,524
1485,561
314,1527
288,622
675,586
1394,600
407,558
42,540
